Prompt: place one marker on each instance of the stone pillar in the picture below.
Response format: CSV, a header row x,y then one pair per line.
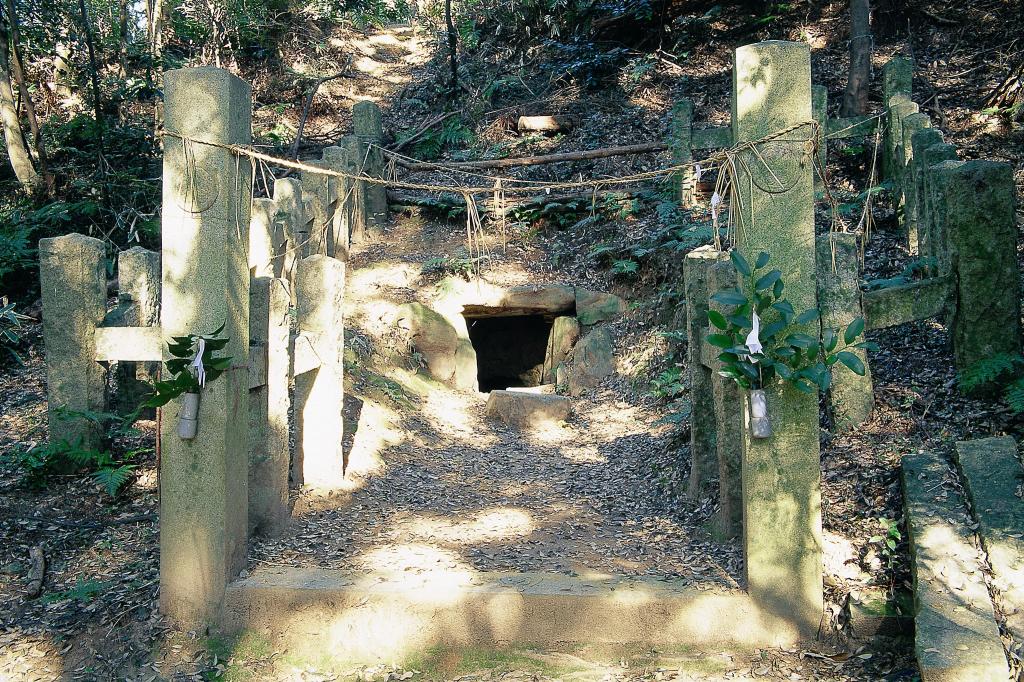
x,y
294,224
320,291
775,213
819,109
138,275
355,210
728,520
703,461
206,197
681,143
911,125
73,284
261,238
897,77
322,191
920,141
851,398
565,332
978,212
269,403
340,159
938,240
368,127
900,106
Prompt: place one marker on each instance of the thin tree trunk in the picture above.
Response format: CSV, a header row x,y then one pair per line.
x,y
17,150
855,98
97,103
453,47
30,110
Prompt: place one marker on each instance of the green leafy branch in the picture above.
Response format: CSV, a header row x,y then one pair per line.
x,y
183,377
761,338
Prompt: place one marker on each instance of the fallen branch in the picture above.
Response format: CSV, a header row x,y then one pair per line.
x,y
36,572
648,148
309,103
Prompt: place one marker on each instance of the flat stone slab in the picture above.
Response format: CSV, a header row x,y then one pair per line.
x,y
992,477
957,637
520,408
390,616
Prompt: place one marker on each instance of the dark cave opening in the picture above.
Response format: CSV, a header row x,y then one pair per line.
x,y
510,350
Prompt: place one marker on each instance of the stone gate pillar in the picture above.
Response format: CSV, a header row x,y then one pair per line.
x,y
781,474
205,283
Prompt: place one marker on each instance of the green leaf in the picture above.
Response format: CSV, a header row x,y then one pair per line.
x,y
719,340
769,331
741,321
762,260
830,339
852,362
855,329
786,308
778,288
808,316
740,263
801,340
717,319
729,297
767,280
867,345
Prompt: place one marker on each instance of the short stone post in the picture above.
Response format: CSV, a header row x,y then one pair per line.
x,y
322,191
295,227
897,77
206,197
138,275
703,461
819,109
269,403
369,128
775,214
938,240
851,397
900,106
978,212
355,198
681,143
320,291
73,284
728,520
911,125
920,141
261,237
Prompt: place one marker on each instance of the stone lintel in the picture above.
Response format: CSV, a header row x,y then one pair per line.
x,y
891,306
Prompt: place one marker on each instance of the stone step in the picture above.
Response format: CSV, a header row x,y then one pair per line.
x,y
394,616
523,409
993,478
956,633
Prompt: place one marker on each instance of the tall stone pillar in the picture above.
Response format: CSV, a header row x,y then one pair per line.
x,y
897,77
775,213
138,275
920,142
368,126
938,241
911,187
206,197
681,143
819,108
73,284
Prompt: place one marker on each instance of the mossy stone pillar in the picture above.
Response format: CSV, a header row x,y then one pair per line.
x,y
938,241
681,144
206,197
775,214
920,141
900,107
911,125
819,108
978,213
73,284
368,126
294,217
323,192
851,397
897,77
703,460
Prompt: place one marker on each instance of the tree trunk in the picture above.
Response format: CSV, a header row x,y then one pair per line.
x,y
453,45
30,109
17,150
855,98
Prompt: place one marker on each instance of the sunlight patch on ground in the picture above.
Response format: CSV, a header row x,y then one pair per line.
x,y
371,280
491,525
583,454
436,576
378,429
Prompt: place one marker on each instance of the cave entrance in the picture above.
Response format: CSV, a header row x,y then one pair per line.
x,y
510,349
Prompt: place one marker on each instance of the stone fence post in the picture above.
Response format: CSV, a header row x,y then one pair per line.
x,y
775,214
138,276
206,198
73,284
368,127
897,77
681,143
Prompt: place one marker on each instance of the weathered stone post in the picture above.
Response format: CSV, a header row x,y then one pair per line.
x,y
819,108
73,284
900,107
938,240
781,474
681,142
728,521
261,237
138,275
295,225
355,196
206,196
911,125
897,77
851,397
320,291
920,141
269,403
322,191
703,462
369,128
978,213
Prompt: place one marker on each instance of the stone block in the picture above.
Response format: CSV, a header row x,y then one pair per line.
x,y
703,457
851,397
900,107
775,213
319,394
921,140
293,218
681,144
368,127
594,306
912,124
819,109
938,239
518,408
129,344
205,211
956,634
891,306
356,210
565,332
432,336
592,361
897,77
269,404
322,191
73,284
978,213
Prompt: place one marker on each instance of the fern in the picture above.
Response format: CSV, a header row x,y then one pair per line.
x,y
988,371
114,478
1014,396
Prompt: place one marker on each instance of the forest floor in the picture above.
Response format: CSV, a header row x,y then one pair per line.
x,y
611,477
